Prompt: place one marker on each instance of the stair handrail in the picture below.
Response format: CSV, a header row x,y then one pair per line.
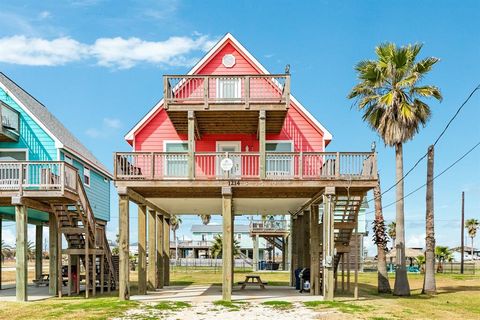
x,y
82,195
108,256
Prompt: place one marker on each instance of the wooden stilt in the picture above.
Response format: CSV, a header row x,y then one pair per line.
x,y
87,264
343,272
21,253
306,239
314,251
328,245
294,249
69,272
60,262
227,250
255,253
53,252
152,251
124,270
166,252
355,290
142,255
102,273
348,271
160,262
94,275
38,251
77,285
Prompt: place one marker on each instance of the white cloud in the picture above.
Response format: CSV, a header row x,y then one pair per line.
x,y
118,52
44,15
108,128
40,52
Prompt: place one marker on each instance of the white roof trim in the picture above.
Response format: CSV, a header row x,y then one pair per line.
x,y
326,134
58,143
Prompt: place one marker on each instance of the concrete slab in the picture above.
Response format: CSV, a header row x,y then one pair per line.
x,y
210,293
34,293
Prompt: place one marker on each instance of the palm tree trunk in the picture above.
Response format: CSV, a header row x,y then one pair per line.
x,y
401,287
383,283
429,285
472,248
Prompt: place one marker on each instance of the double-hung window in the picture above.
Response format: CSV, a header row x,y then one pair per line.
x,y
279,160
176,159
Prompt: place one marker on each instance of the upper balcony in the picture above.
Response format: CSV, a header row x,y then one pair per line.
x,y
10,124
227,103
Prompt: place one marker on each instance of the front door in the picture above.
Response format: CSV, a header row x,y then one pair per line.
x,y
231,150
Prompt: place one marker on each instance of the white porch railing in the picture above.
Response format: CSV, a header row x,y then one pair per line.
x,y
245,165
269,225
37,175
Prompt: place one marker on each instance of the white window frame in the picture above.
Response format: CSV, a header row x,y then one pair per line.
x,y
165,170
219,89
85,170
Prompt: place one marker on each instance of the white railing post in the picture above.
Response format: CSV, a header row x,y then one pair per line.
x,y
337,165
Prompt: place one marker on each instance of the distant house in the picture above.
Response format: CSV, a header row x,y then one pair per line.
x,y
48,177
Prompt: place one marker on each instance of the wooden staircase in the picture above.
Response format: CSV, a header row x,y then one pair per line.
x,y
84,233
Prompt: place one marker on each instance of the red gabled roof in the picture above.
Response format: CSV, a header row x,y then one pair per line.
x,y
254,65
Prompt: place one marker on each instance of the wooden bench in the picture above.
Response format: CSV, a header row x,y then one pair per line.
x,y
252,280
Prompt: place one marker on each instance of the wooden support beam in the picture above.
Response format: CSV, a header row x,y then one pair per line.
x,y
102,273
294,249
355,289
227,249
72,230
53,253
94,274
314,200
21,253
191,144
343,272
38,251
166,252
140,200
160,263
152,251
31,203
142,254
262,127
314,251
69,276
255,252
328,247
124,263
87,265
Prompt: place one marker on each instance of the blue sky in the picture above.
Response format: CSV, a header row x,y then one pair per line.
x,y
97,65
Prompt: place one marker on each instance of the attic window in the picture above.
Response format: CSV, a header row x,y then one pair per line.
x,y
68,160
86,176
228,60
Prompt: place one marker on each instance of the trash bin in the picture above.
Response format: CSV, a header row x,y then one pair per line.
x,y
297,278
261,265
304,276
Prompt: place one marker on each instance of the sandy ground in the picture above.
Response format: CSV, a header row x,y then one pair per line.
x,y
209,311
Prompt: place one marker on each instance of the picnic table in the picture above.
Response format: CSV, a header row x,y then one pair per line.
x,y
253,280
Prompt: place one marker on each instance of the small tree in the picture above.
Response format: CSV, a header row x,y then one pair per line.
x,y
472,226
217,246
421,262
442,254
392,233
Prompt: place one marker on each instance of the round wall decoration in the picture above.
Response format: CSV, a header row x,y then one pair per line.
x,y
228,60
226,164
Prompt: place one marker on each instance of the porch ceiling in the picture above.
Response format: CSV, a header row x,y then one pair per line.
x,y
231,121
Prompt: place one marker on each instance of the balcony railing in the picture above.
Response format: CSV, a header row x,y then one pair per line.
x,y
245,165
269,226
37,176
226,89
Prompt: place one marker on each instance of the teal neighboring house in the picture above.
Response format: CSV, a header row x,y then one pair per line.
x,y
49,178
31,133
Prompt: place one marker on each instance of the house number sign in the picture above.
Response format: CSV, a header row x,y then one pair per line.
x,y
226,164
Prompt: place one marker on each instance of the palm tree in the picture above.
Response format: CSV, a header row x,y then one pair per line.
x,y
7,251
381,240
390,96
30,250
442,254
217,246
421,262
391,231
472,226
175,223
205,218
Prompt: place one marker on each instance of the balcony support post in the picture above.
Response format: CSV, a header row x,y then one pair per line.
x,y
166,252
255,252
293,245
262,143
328,244
38,250
160,264
191,144
142,255
21,252
227,250
152,250
314,251
124,264
53,242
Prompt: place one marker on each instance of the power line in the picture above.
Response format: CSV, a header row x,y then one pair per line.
x,y
438,175
435,143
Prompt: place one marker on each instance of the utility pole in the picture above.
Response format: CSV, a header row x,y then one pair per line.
x,y
462,246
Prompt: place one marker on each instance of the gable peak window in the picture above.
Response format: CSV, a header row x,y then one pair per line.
x,y
86,176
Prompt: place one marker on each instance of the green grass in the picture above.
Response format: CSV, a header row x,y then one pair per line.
x,y
172,305
231,305
277,304
338,305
